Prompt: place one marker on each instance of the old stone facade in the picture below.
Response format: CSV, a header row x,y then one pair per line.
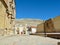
x,y
7,16
56,22
50,28
40,28
52,25
46,27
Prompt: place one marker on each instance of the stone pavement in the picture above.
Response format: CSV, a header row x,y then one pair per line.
x,y
27,40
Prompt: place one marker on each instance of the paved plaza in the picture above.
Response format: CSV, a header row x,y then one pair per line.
x,y
27,40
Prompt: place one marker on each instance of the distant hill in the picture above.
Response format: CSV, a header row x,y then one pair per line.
x,y
29,21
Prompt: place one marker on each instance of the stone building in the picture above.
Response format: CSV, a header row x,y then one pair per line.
x,y
40,28
56,22
46,27
50,27
7,16
55,28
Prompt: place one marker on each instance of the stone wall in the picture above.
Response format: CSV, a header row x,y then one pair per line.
x,y
7,17
49,26
40,28
56,22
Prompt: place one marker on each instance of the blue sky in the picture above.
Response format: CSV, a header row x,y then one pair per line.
x,y
40,9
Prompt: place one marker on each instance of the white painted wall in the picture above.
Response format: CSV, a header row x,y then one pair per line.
x,y
33,30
